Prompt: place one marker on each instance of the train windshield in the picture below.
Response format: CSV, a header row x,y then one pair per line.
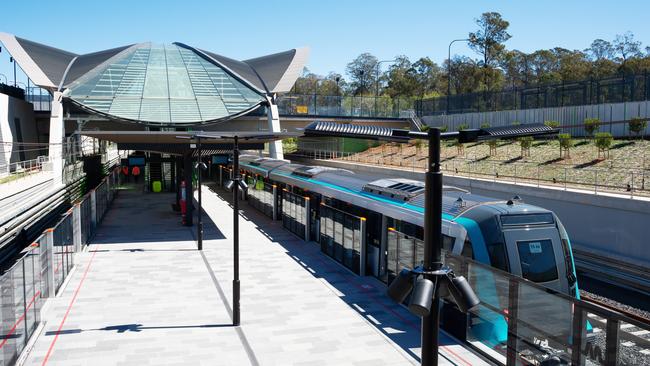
x,y
537,260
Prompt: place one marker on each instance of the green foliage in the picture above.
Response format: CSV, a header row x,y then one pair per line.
x,y
463,126
485,125
493,143
425,128
603,140
565,140
488,41
525,142
552,124
638,125
516,123
443,128
418,145
591,126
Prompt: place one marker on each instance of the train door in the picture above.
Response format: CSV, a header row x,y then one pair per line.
x,y
537,255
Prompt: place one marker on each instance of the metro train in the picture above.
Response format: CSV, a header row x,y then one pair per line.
x,y
374,225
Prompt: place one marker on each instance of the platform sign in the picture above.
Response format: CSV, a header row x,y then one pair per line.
x,y
302,109
136,160
219,159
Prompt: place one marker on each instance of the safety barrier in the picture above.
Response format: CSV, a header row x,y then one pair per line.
x,y
295,211
520,322
342,237
43,267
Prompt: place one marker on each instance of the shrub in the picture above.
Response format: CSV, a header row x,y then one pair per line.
x,y
485,125
463,126
638,125
591,126
425,128
516,123
493,146
552,124
603,142
566,143
443,128
525,142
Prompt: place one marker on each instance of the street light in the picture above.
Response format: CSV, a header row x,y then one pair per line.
x,y
377,81
13,60
449,68
432,277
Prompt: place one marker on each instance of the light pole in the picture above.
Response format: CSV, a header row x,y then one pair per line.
x,y
377,81
449,67
432,277
13,60
200,166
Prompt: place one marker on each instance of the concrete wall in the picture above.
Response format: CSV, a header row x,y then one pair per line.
x,y
567,116
603,224
10,132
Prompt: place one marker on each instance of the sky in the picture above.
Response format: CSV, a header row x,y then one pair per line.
x,y
336,31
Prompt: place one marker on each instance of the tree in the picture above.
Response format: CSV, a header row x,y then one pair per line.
x,y
517,67
552,124
591,126
328,85
307,83
638,125
488,40
572,65
566,143
525,142
626,47
600,50
603,142
493,146
362,72
464,74
401,78
427,76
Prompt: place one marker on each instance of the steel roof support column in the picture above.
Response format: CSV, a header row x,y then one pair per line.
x,y
189,192
57,133
275,147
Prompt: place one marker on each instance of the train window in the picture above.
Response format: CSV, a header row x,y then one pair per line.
x,y
468,250
448,242
527,219
498,259
537,260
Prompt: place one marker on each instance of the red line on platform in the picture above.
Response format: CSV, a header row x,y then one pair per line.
x,y
20,320
74,298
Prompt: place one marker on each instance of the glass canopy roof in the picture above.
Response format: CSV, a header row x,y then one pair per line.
x,y
163,84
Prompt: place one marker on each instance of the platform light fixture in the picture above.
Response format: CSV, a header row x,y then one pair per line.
x,y
428,283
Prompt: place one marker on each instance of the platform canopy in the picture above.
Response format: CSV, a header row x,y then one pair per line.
x,y
179,142
158,84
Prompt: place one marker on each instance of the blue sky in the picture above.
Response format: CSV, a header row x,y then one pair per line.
x,y
336,31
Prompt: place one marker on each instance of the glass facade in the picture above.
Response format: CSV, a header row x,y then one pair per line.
x,y
163,84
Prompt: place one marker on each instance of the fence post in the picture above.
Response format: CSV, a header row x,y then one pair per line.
x,y
48,235
306,218
93,208
275,202
362,254
76,227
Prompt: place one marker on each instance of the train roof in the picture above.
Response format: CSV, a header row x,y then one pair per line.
x,y
403,193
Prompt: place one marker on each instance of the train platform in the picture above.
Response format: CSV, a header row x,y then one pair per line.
x,y
142,294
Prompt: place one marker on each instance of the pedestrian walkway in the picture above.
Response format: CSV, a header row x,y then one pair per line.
x,y
143,295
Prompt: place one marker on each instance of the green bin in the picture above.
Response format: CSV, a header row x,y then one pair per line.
x,y
156,186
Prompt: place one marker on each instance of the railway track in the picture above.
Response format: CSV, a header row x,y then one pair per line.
x,y
634,336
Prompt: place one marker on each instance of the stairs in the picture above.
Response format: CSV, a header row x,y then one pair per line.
x,y
155,169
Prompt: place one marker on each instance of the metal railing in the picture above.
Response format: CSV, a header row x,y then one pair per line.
x,y
626,181
343,106
43,267
26,167
615,89
521,322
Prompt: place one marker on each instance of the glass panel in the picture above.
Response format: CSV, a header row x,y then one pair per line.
x,y
391,265
348,238
406,248
338,235
633,343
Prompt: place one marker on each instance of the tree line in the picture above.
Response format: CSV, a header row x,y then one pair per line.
x,y
495,67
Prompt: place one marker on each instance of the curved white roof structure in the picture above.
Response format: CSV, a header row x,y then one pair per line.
x,y
158,84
